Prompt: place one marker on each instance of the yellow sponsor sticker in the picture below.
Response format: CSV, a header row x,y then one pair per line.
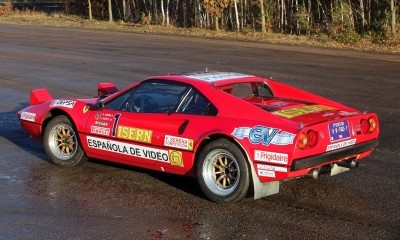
x,y
134,134
298,111
175,157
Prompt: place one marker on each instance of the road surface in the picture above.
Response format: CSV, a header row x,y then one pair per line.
x,y
106,201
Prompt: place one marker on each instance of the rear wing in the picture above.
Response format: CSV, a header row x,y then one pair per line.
x,y
39,96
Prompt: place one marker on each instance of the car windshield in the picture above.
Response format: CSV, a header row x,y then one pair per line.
x,y
248,90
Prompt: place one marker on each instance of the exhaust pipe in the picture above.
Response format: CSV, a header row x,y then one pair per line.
x,y
315,173
348,164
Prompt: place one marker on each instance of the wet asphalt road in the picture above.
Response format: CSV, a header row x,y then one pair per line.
x,y
104,201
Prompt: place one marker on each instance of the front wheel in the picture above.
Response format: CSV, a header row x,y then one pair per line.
x,y
61,143
222,172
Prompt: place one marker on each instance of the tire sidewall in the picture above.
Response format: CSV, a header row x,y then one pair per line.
x,y
79,156
243,185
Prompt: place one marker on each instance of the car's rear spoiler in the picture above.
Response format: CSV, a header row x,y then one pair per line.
x,y
39,96
105,89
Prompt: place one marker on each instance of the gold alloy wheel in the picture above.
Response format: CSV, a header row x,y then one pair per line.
x,y
63,141
221,172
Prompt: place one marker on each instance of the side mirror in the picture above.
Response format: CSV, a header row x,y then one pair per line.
x,y
99,105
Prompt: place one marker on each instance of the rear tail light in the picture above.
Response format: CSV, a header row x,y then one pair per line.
x,y
368,126
307,140
372,124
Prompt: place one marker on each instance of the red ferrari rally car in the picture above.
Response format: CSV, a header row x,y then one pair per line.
x,y
238,134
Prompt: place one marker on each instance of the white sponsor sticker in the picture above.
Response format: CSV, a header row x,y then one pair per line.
x,y
100,130
266,173
272,157
271,168
338,145
63,103
178,142
211,77
345,113
128,149
31,117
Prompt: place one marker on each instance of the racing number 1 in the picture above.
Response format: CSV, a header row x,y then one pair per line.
x,y
116,119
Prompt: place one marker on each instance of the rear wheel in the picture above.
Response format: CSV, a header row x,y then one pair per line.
x,y
222,172
61,143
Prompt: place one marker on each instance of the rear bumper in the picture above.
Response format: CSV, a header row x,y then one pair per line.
x,y
308,162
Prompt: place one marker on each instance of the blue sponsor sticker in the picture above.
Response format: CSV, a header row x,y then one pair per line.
x,y
264,135
339,131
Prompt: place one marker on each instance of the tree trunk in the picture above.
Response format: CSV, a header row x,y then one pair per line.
x,y
362,16
216,24
393,25
167,13
162,12
237,16
110,15
90,10
263,29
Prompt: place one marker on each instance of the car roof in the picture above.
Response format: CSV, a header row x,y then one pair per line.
x,y
211,78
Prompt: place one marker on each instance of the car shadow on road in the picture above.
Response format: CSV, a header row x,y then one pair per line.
x,y
11,129
186,184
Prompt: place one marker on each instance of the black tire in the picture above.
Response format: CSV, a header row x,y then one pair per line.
x,y
62,144
222,172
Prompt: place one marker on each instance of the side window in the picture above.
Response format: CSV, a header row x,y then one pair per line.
x,y
247,90
117,103
196,103
155,97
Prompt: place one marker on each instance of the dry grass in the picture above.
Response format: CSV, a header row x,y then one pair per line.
x,y
71,21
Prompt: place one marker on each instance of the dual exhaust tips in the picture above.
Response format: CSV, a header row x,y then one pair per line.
x,y
317,172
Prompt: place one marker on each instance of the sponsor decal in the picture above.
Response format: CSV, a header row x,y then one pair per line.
x,y
100,130
217,76
272,157
98,116
128,149
63,103
338,145
328,114
85,108
298,111
101,123
27,116
345,113
178,142
176,158
134,134
266,173
278,104
271,168
264,135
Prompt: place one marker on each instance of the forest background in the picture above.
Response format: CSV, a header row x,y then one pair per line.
x,y
348,22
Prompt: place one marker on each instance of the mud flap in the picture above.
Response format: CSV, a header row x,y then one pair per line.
x,y
263,189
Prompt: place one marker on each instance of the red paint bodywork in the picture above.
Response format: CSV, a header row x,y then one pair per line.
x,y
233,113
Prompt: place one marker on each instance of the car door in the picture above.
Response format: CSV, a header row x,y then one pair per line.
x,y
132,127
